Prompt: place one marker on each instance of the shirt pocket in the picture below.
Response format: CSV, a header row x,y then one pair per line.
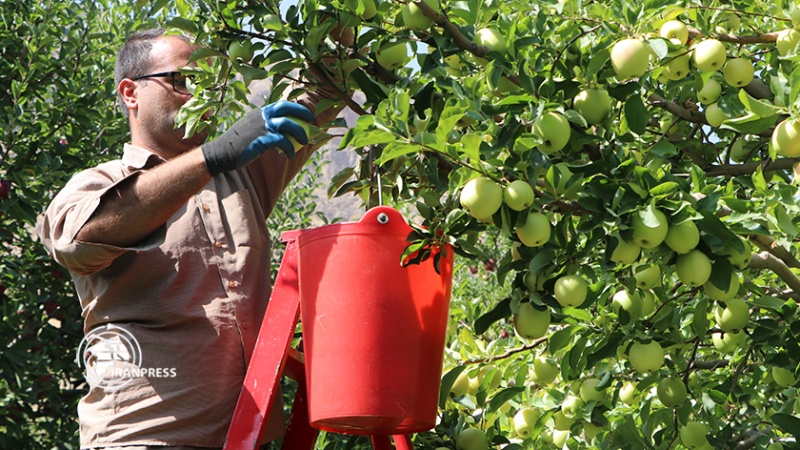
x,y
246,226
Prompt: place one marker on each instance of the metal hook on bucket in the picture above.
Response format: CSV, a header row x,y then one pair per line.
x,y
380,188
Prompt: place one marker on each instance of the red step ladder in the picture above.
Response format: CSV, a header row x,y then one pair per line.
x,y
274,357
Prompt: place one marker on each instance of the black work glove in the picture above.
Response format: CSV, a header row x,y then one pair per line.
x,y
259,130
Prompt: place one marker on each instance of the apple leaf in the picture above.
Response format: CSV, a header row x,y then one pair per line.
x,y
758,107
768,302
788,423
561,338
447,383
607,347
721,272
665,188
749,124
636,114
500,311
503,396
700,321
785,221
449,117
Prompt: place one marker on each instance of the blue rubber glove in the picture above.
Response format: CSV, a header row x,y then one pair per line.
x,y
258,131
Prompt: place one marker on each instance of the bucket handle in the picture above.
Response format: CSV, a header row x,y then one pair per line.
x,y
386,216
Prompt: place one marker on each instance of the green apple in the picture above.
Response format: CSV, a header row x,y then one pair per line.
x,y
571,406
560,438
491,38
649,235
677,68
672,392
783,377
676,31
589,391
553,129
544,370
518,195
455,61
561,421
738,152
714,115
646,358
710,92
590,431
628,393
570,290
787,41
630,58
533,281
625,252
714,293
392,55
535,232
630,302
693,268
738,258
709,55
775,446
693,434
472,439
370,9
786,138
481,197
728,23
460,385
525,421
727,342
647,277
738,72
241,51
497,377
297,145
414,18
593,104
648,302
682,237
530,322
733,317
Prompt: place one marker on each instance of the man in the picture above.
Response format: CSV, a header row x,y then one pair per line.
x,y
169,244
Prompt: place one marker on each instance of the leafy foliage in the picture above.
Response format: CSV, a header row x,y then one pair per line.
x,y
458,111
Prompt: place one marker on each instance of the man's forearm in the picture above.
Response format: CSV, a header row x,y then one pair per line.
x,y
132,211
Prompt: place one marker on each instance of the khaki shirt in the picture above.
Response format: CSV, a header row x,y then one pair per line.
x,y
192,295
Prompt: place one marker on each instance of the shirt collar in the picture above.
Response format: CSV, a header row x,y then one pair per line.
x,y
139,157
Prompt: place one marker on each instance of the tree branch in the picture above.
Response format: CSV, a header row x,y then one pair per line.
x,y
737,39
769,244
766,260
750,167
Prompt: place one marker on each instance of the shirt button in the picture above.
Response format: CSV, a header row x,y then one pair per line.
x,y
218,244
206,208
232,284
244,325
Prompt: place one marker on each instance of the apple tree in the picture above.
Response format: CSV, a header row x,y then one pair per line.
x,y
617,178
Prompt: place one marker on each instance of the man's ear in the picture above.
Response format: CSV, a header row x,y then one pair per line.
x,y
128,92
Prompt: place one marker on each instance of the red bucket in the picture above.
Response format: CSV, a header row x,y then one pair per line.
x,y
373,330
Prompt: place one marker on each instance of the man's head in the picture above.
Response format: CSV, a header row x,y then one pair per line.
x,y
151,92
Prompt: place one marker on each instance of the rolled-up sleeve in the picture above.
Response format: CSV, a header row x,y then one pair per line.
x,y
71,209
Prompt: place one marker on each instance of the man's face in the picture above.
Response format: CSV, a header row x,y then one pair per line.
x,y
159,103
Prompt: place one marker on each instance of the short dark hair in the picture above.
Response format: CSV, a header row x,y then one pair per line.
x,y
134,58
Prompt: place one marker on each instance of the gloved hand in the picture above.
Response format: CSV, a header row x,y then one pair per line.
x,y
255,133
